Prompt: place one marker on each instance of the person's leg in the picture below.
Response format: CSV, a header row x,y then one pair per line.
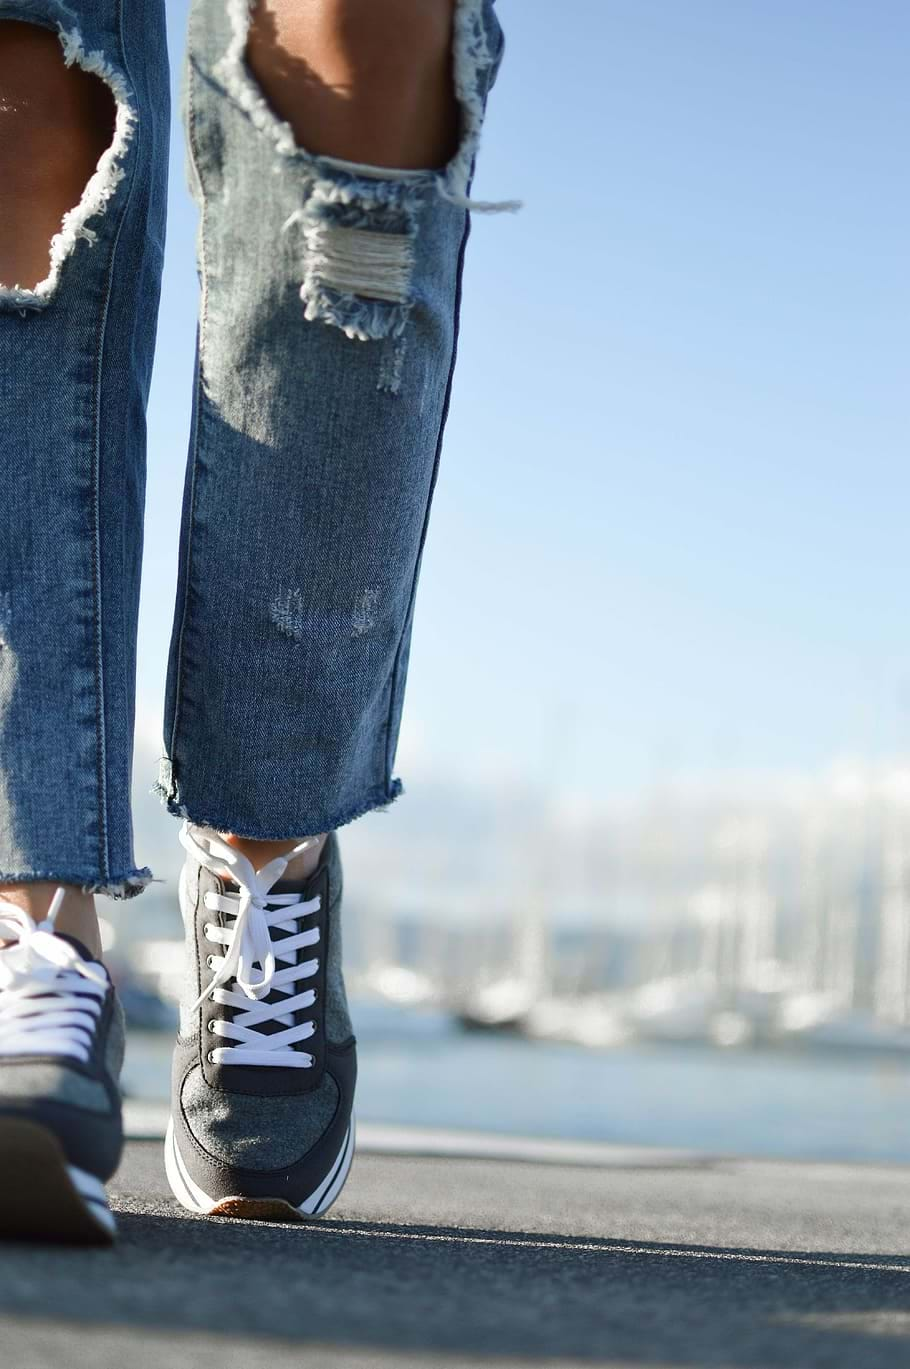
x,y
83,148
84,119
55,123
330,294
331,147
330,72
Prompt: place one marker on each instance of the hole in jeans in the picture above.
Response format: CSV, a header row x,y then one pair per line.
x,y
63,126
332,74
356,227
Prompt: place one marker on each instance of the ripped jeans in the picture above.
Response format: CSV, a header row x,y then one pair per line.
x,y
326,344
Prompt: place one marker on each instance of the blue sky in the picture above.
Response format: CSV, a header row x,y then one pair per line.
x,y
669,532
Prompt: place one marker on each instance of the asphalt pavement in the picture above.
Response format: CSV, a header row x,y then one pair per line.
x,y
642,1259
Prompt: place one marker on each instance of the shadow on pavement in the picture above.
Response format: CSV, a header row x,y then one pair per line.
x,y
431,1289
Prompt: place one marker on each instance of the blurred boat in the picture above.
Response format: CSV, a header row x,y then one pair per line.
x,y
675,1008
398,984
146,1010
597,1020
824,1021
144,1006
503,1005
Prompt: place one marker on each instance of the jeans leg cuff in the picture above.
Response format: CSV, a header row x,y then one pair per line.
x,y
307,822
118,886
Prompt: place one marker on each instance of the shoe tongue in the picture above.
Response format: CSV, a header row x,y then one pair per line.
x,y
77,945
290,886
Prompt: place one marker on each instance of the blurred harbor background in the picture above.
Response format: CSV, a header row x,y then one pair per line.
x,y
714,970
649,878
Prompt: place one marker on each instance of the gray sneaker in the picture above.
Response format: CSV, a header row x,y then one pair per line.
x,y
61,1051
265,1063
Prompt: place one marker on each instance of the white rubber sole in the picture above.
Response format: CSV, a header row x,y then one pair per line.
x,y
42,1197
191,1196
93,1193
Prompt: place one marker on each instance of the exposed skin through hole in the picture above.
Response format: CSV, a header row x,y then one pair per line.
x,y
55,122
366,81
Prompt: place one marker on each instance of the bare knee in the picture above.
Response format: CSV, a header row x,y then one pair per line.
x,y
366,80
55,122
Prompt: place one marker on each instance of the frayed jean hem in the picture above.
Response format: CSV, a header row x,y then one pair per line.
x,y
123,886
220,820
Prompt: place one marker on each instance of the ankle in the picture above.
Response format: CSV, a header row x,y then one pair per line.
x,y
76,915
259,853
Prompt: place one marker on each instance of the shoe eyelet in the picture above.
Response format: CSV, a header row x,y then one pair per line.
x,y
210,961
210,1025
211,1057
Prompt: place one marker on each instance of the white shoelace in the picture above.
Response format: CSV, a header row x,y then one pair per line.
x,y
50,998
247,943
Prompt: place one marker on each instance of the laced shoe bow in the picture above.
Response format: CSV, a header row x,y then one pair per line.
x,y
257,976
50,997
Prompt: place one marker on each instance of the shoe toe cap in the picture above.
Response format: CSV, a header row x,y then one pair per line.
x,y
252,1132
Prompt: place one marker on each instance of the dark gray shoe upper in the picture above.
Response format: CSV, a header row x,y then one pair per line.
x,y
257,1130
79,1101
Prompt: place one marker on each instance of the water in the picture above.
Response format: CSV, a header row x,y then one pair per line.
x,y
418,1068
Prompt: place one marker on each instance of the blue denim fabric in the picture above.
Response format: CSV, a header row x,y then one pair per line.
x,y
75,364
327,338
